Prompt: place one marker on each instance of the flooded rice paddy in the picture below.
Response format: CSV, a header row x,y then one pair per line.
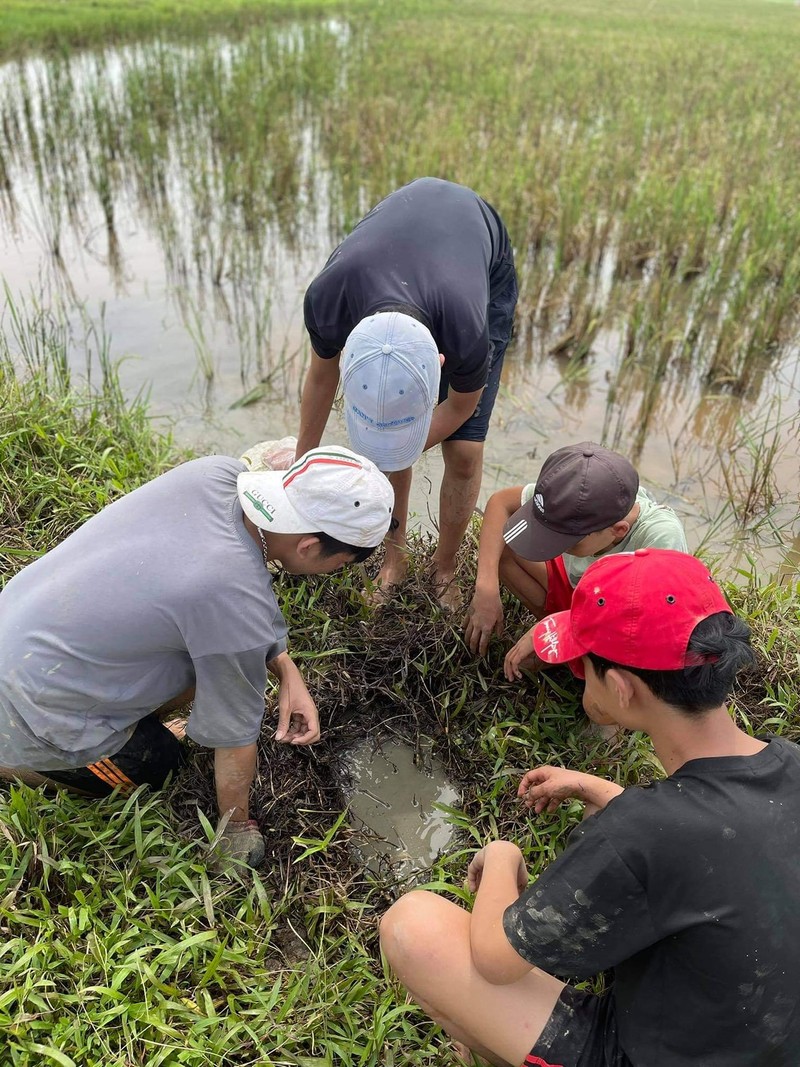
x,y
174,200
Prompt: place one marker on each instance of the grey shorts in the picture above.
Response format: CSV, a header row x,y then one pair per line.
x,y
581,1032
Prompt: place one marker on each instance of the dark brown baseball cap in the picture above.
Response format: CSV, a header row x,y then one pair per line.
x,y
581,489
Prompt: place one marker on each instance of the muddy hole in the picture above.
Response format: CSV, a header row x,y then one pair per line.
x,y
392,792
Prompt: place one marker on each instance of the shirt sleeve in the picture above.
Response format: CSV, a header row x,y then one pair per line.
x,y
586,913
469,370
229,698
662,529
328,346
527,493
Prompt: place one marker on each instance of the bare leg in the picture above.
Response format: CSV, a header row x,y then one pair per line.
x,y
395,561
186,697
426,941
177,725
461,483
525,579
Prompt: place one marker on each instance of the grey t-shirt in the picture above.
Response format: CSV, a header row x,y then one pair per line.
x,y
163,589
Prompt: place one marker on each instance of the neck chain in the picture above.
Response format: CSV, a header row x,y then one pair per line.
x,y
264,552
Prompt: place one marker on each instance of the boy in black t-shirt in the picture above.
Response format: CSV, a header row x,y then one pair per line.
x,y
686,888
428,273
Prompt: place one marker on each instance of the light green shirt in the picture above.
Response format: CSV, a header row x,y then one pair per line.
x,y
657,527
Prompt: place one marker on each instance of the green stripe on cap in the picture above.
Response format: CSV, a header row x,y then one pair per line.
x,y
258,505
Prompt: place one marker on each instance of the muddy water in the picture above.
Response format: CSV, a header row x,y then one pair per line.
x,y
208,313
392,802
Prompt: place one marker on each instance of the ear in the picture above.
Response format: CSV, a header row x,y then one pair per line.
x,y
307,546
621,686
620,529
441,359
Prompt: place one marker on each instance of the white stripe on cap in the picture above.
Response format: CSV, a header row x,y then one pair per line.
x,y
515,531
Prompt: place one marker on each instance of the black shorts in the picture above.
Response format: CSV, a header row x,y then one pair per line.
x,y
503,301
148,757
581,1032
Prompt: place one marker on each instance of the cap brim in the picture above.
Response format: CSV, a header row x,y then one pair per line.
x,y
526,536
389,449
553,639
264,502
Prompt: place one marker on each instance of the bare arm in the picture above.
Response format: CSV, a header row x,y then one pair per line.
x,y
498,872
298,718
544,788
319,390
499,509
485,613
234,771
450,414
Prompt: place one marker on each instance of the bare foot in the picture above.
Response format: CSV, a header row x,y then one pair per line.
x,y
34,779
464,1053
22,774
177,727
447,591
385,583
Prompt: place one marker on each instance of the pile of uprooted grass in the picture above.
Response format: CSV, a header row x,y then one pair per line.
x,y
400,672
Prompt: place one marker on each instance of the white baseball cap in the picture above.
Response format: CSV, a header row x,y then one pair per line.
x,y
390,378
328,489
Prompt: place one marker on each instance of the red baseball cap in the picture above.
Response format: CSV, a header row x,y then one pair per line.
x,y
637,609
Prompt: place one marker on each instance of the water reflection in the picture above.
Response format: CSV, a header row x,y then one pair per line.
x,y
392,803
193,190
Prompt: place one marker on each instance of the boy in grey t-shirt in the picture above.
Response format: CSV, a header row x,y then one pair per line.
x,y
539,539
165,596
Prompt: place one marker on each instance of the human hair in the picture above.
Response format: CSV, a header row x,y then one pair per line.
x,y
722,642
331,546
408,309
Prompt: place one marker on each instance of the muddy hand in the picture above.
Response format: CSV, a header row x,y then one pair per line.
x,y
544,788
298,718
484,617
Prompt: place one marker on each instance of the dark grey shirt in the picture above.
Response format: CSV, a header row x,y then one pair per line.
x,y
163,589
432,245
690,890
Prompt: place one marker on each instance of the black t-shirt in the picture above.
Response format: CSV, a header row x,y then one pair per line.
x,y
433,246
690,890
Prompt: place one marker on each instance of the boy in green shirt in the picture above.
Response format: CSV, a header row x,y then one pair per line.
x,y
537,540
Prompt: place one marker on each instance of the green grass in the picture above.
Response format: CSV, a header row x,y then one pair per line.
x,y
122,945
61,24
65,452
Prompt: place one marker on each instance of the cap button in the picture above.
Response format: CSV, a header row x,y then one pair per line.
x,y
588,452
386,349
642,552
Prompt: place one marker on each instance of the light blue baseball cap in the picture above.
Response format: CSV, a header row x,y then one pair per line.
x,y
390,378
